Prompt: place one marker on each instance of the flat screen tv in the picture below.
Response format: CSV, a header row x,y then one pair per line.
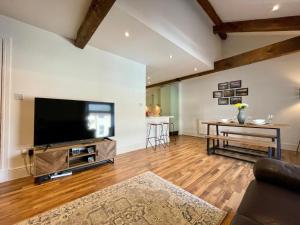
x,y
58,121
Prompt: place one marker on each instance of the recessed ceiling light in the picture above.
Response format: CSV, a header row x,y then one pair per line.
x,y
171,57
275,7
195,69
126,34
148,78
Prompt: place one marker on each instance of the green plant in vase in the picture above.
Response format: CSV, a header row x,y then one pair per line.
x,y
241,115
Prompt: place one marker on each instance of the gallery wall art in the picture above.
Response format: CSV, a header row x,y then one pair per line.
x,y
230,93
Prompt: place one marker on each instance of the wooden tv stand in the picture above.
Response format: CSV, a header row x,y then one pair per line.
x,y
52,160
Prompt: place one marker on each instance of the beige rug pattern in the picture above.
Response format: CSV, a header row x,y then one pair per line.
x,y
146,199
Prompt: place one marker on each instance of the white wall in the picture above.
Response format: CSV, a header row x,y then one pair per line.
x,y
46,65
273,88
240,43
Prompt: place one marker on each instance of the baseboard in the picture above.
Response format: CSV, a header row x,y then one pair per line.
x,y
19,172
192,134
130,148
12,174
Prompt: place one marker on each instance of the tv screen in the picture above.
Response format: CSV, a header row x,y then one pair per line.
x,y
57,120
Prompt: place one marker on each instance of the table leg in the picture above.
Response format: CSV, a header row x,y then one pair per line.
x,y
217,130
208,132
278,136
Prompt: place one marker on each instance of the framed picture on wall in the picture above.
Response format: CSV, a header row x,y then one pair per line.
x,y
235,100
223,86
228,93
241,92
218,94
223,101
236,84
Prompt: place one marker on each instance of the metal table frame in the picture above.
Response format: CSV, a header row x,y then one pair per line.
x,y
275,127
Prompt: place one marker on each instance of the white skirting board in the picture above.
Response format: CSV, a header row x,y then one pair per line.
x,y
12,174
22,171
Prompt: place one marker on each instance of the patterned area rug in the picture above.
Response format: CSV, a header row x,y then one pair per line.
x,y
142,200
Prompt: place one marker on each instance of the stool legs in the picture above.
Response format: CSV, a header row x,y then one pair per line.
x,y
157,135
169,130
148,136
172,132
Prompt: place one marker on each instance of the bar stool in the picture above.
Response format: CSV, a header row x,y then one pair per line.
x,y
158,138
169,128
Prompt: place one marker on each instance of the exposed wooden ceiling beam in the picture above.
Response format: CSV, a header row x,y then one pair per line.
x,y
290,23
210,11
268,52
96,13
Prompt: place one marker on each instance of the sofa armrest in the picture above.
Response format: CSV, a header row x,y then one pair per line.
x,y
278,173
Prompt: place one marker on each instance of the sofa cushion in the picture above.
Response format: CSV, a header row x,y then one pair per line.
x,y
267,204
278,173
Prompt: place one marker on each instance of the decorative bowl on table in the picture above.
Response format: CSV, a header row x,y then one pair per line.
x,y
225,120
259,122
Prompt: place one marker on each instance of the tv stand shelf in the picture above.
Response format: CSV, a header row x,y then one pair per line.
x,y
69,157
81,155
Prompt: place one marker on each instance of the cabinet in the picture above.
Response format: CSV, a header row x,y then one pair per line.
x,y
50,162
69,157
105,150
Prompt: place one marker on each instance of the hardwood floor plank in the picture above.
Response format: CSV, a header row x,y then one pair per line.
x,y
218,180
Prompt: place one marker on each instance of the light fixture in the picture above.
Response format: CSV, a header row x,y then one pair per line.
x,y
171,57
275,8
126,34
195,69
149,82
148,77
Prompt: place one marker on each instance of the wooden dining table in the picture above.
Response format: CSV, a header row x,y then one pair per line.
x,y
276,127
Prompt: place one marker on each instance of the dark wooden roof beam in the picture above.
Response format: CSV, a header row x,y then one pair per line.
x,y
210,11
95,15
291,23
289,46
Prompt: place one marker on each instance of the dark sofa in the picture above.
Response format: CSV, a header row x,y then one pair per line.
x,y
273,197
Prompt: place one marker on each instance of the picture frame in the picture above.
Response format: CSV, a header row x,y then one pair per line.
x,y
217,94
229,93
235,100
223,86
241,92
223,101
236,84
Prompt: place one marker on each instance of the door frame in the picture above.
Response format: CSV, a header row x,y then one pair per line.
x,y
5,89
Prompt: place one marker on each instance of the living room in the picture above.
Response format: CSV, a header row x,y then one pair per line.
x,y
187,112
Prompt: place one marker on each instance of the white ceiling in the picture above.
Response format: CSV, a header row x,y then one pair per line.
x,y
144,45
59,16
236,10
156,29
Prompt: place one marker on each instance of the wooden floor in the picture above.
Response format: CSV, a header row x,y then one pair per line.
x,y
218,180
